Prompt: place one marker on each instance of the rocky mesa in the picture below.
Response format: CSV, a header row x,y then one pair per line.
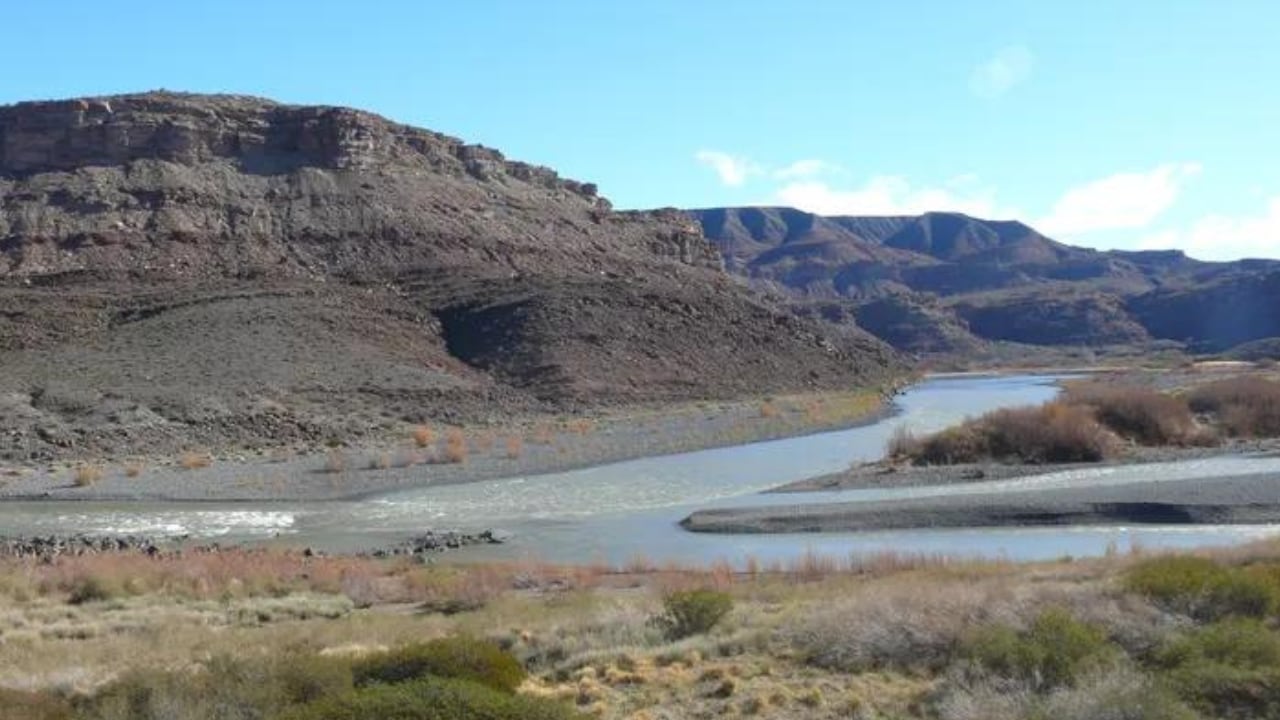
x,y
184,269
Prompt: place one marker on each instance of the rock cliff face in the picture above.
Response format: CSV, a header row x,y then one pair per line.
x,y
179,269
944,282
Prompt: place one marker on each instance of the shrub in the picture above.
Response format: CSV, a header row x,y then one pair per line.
x,y
432,699
1055,651
1202,588
224,688
692,612
335,461
1227,669
1148,417
1121,693
1053,432
462,657
455,446
87,475
423,436
1245,406
88,589
194,460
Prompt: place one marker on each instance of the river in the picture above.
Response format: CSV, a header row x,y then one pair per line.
x,y
616,512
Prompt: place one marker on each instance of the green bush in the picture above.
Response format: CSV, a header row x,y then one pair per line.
x,y
431,699
692,612
463,658
1054,652
1227,669
1204,589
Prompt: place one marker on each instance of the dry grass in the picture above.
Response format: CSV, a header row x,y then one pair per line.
x,y
423,436
87,475
194,460
769,410
133,469
869,637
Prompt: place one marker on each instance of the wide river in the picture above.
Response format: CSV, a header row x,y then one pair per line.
x,y
616,512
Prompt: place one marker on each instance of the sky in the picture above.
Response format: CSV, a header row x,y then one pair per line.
x,y
1139,124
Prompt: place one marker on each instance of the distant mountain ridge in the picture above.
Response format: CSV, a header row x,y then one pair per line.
x,y
940,282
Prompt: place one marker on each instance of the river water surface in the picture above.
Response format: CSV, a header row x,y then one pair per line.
x,y
618,511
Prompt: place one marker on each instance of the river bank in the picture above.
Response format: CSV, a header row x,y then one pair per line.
x,y
445,456
1250,499
884,474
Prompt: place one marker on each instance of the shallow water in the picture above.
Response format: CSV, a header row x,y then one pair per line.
x,y
618,511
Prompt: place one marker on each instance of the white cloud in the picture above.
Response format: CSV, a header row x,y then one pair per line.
x,y
1124,201
806,169
891,195
1008,68
732,169
1221,237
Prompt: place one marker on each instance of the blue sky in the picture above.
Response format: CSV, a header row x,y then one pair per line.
x,y
1144,123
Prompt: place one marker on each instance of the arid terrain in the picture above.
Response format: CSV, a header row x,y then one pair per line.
x,y
185,272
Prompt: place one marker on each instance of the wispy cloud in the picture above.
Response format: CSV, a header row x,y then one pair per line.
x,y
1222,237
1008,68
809,168
1123,201
891,195
733,170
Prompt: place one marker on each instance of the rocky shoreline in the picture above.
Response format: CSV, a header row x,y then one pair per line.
x,y
538,447
47,548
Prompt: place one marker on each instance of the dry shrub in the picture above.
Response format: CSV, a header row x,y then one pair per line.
x,y
1245,406
423,436
381,461
194,460
335,461
87,475
133,469
1146,416
455,446
769,410
514,447
1055,432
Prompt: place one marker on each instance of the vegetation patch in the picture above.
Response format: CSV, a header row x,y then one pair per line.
x,y
463,658
692,612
